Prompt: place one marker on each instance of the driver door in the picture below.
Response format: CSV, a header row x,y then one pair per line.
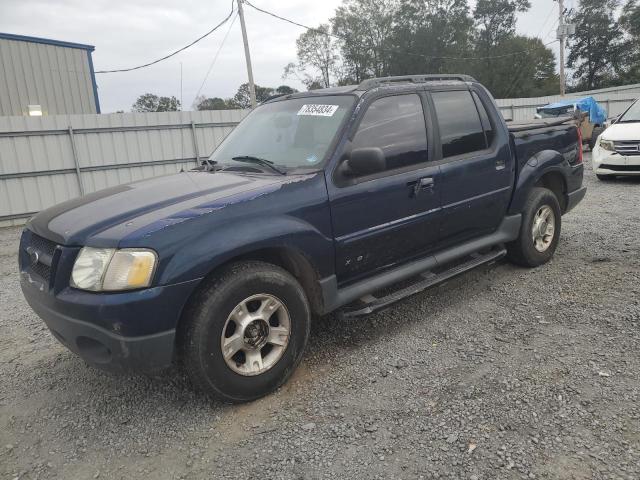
x,y
388,217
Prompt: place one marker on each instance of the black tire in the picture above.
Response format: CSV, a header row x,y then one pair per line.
x,y
594,136
605,178
522,251
200,335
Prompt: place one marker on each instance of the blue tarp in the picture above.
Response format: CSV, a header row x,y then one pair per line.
x,y
597,114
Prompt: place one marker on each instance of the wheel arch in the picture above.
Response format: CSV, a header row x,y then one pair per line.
x,y
545,169
288,258
555,182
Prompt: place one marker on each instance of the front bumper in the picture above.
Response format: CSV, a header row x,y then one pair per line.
x,y
114,331
606,162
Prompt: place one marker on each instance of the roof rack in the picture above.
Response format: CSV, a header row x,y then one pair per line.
x,y
373,82
274,96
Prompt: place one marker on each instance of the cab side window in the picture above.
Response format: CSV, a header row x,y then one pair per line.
x,y
460,129
484,119
396,125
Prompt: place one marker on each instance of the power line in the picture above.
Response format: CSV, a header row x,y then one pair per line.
x,y
431,57
215,57
275,15
550,32
546,20
175,52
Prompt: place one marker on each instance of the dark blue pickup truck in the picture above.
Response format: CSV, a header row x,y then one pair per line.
x,y
343,199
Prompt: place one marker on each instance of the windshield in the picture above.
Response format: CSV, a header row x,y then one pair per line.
x,y
556,112
631,115
288,134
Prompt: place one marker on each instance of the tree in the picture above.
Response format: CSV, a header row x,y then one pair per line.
x,y
214,103
285,90
528,74
495,23
425,32
496,20
630,23
365,28
630,19
153,103
316,49
242,98
597,48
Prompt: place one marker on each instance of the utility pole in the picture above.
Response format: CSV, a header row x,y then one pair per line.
x,y
247,55
562,35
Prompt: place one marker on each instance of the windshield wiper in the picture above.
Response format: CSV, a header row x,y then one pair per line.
x,y
263,162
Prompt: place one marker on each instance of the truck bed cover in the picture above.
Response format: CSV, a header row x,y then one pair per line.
x,y
538,124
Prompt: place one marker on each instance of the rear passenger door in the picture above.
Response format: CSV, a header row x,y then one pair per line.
x,y
476,167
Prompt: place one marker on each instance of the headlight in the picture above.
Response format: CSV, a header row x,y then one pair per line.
x,y
107,269
607,145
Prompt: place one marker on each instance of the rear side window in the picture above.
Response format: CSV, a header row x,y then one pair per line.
x,y
460,128
484,119
396,125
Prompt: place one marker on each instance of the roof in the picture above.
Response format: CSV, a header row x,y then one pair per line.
x,y
46,41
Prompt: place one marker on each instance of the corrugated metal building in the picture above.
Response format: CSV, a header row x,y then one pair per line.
x,y
46,77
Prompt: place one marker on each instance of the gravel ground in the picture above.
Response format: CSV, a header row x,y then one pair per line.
x,y
502,373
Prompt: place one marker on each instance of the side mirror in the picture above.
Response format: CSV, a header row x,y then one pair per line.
x,y
366,161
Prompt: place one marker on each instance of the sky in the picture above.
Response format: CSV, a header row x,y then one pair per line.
x,y
129,33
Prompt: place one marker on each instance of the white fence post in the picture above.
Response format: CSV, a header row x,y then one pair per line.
x,y
76,162
195,142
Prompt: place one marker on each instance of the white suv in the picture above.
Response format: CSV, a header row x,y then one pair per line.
x,y
617,151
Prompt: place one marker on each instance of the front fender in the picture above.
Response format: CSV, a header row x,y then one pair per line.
x,y
540,164
235,238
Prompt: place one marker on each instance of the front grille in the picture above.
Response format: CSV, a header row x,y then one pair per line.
x,y
621,168
41,270
628,147
40,252
43,245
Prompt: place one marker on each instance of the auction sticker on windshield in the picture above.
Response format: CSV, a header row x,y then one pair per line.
x,y
318,110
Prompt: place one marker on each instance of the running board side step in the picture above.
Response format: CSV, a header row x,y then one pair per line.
x,y
369,304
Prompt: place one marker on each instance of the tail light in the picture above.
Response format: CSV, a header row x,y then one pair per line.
x,y
579,157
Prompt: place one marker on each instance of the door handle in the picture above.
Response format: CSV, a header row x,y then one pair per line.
x,y
426,182
421,184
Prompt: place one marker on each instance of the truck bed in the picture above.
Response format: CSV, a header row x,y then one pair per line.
x,y
537,124
544,134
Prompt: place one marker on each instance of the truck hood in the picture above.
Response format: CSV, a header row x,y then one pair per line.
x,y
622,132
137,204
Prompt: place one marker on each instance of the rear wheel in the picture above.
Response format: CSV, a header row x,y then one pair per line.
x,y
245,331
539,231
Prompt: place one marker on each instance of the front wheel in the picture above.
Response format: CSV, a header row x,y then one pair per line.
x,y
245,331
539,231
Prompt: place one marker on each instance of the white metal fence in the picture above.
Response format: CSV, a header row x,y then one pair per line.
x,y
615,100
47,160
